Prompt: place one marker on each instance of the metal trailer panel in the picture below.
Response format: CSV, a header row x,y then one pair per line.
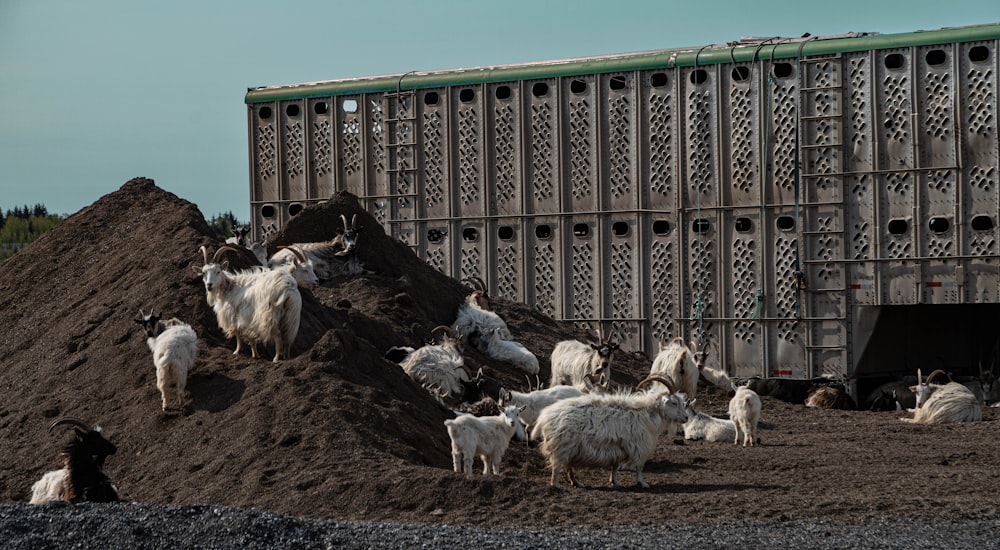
x,y
766,200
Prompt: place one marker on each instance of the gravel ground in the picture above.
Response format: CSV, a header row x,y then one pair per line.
x,y
131,526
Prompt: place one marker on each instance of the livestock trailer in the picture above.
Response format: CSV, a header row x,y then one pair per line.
x,y
817,206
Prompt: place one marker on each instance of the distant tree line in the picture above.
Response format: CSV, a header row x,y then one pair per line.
x,y
21,225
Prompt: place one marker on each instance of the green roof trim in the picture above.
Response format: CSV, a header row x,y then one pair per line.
x,y
776,48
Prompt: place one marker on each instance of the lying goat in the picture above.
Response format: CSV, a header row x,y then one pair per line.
x,y
81,478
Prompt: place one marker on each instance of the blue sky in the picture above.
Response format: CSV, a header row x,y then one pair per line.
x,y
94,93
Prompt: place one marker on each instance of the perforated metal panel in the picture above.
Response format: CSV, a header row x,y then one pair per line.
x,y
763,199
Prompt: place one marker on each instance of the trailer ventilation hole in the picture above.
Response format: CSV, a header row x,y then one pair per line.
x,y
743,225
699,225
320,107
470,234
540,89
436,235
935,57
264,113
350,105
782,70
741,74
785,223
661,227
268,211
938,225
898,227
620,229
502,92
581,229
431,98
292,110
982,223
505,233
894,61
467,95
658,80
294,209
578,86
543,232
617,83
699,76
979,53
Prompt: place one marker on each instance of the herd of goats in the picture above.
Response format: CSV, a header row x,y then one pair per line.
x,y
578,420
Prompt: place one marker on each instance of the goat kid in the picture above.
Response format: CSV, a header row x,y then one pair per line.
x,y
486,437
174,345
744,411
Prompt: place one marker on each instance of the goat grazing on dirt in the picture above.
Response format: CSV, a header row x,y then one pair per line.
x,y
81,478
484,436
254,306
174,345
616,431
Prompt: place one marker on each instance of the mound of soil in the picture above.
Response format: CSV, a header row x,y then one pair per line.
x,y
337,431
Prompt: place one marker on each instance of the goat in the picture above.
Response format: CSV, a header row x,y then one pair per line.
x,y
830,397
573,360
484,436
239,235
509,351
301,267
941,403
533,403
330,258
885,401
476,319
254,306
744,411
81,479
891,396
676,362
440,365
616,431
174,345
702,426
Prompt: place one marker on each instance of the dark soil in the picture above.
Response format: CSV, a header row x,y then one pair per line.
x,y
339,432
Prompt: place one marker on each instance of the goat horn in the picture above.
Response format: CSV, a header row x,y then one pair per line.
x,y
656,378
935,373
297,251
445,328
354,220
204,253
70,420
919,378
343,218
218,253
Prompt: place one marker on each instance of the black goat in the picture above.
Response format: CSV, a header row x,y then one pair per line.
x,y
82,478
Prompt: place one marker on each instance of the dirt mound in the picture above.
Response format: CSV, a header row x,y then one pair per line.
x,y
339,432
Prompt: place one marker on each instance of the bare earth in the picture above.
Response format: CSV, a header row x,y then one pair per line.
x,y
337,432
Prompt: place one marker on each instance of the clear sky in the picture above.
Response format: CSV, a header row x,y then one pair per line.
x,y
96,92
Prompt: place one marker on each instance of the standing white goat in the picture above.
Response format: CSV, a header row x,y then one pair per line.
x,y
174,345
439,366
254,306
941,403
744,411
532,403
573,360
616,431
484,436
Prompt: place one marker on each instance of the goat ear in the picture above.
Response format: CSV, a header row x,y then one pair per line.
x,y
196,268
225,265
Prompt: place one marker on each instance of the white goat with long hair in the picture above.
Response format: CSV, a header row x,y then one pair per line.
x,y
484,436
941,403
616,431
174,345
533,403
439,366
254,306
509,351
702,426
476,318
572,361
330,258
744,411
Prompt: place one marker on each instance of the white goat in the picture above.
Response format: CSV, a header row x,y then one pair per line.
x,y
174,345
676,363
439,366
941,403
702,426
330,258
532,403
484,436
573,360
301,267
508,351
254,306
616,431
476,318
744,411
